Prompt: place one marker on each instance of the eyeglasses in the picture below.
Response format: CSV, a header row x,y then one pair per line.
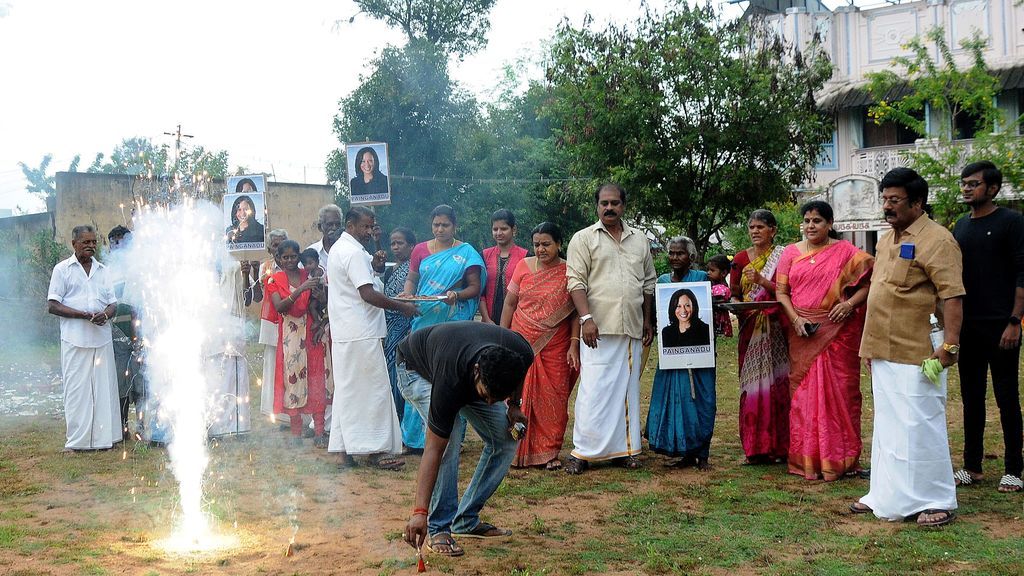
x,y
970,184
892,200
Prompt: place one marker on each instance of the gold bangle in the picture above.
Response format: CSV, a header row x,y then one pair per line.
x,y
573,338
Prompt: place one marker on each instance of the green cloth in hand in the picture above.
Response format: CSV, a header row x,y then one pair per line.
x,y
932,368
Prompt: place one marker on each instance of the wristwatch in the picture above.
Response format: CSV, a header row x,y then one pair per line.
x,y
953,349
1014,320
584,318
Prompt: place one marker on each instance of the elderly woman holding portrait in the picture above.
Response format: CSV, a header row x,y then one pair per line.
x,y
822,286
539,308
681,418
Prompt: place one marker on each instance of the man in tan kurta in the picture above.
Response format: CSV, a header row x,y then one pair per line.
x,y
917,268
611,279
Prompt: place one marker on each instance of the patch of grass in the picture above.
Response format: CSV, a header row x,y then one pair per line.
x,y
11,535
393,535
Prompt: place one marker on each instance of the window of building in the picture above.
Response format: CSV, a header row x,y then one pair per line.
x,y
887,133
966,126
827,159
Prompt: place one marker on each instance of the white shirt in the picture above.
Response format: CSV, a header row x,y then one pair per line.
x,y
72,287
352,318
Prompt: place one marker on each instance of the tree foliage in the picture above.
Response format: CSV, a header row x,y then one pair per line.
x,y
949,94
700,120
40,181
445,148
457,26
139,156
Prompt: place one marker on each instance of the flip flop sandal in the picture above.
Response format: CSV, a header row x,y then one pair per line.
x,y
1010,484
949,516
554,464
963,478
435,542
860,508
389,463
485,530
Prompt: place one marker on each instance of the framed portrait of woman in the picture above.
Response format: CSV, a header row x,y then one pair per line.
x,y
686,336
245,214
368,170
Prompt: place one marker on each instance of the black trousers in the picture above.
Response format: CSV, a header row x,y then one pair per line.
x,y
980,352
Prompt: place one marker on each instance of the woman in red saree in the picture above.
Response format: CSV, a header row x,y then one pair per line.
x,y
822,285
539,308
763,354
301,376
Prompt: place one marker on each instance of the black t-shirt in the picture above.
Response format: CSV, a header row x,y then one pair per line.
x,y
445,354
993,258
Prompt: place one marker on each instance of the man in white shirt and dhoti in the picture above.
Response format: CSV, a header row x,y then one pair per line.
x,y
364,420
611,278
918,267
80,294
330,225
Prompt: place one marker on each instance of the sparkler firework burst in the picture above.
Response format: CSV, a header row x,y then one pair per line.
x,y
173,270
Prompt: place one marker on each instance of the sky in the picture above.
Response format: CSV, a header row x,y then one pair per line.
x,y
260,79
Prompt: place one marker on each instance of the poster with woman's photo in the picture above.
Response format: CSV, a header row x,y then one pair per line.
x,y
685,326
244,211
368,173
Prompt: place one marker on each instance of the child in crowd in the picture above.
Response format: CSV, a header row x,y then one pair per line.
x,y
718,272
310,260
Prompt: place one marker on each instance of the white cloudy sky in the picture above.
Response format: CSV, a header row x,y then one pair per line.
x,y
260,79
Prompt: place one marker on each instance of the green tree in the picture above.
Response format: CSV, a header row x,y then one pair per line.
x,y
457,26
701,120
41,181
950,95
410,102
139,156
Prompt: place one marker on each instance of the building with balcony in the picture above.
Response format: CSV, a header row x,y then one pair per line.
x,y
863,40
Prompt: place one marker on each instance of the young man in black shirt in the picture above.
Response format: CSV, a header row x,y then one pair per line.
x,y
461,368
992,241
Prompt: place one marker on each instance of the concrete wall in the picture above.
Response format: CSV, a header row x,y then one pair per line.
x,y
96,199
20,229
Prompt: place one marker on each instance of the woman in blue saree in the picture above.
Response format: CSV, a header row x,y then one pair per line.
x,y
447,268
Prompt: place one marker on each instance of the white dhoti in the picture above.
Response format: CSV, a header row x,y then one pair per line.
x,y
911,469
365,420
227,376
607,412
267,386
90,397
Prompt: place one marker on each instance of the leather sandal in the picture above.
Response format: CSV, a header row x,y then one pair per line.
x,y
574,465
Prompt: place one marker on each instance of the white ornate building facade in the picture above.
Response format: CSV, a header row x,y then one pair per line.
x,y
863,40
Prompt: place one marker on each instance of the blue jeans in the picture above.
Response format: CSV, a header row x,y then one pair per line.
x,y
447,513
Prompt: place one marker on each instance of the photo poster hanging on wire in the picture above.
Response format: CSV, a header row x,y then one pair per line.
x,y
686,329
245,215
368,170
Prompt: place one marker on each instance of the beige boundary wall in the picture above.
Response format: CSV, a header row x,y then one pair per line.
x,y
96,199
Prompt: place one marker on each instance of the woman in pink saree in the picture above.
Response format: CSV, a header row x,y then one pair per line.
x,y
822,285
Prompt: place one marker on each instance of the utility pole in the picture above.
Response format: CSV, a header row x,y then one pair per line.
x,y
177,145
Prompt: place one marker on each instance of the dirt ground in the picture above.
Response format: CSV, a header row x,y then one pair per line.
x,y
107,512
